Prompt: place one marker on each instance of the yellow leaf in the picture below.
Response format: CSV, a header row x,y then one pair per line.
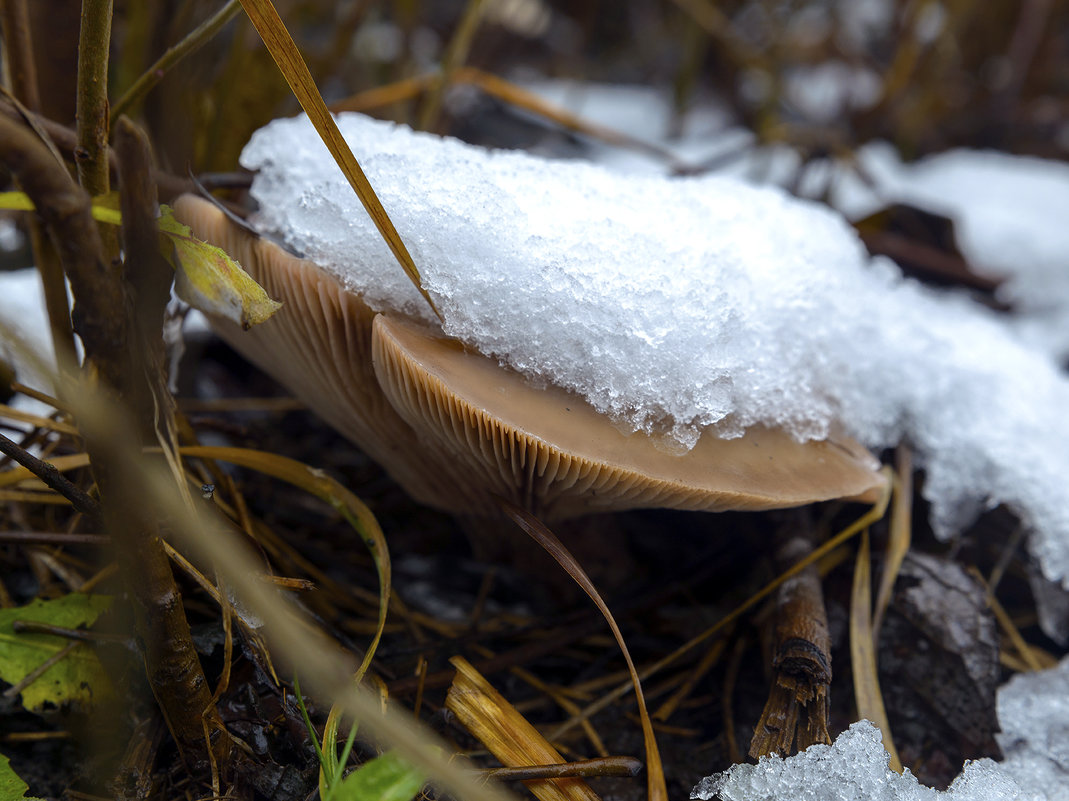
x,y
208,279
16,201
205,276
104,207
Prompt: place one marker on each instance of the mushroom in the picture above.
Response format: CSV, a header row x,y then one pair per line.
x,y
456,429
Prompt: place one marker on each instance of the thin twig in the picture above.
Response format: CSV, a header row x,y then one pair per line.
x,y
53,478
58,538
39,671
583,768
78,635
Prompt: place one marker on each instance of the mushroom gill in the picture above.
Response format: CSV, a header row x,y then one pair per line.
x,y
455,428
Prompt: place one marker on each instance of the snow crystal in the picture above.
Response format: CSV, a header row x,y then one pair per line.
x,y
853,768
1033,710
675,305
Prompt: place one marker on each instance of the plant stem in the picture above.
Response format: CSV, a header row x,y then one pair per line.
x,y
175,672
18,52
93,48
193,42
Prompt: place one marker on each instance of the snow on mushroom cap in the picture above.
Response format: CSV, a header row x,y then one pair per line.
x,y
679,304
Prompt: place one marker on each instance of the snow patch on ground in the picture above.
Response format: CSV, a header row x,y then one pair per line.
x,y
1033,710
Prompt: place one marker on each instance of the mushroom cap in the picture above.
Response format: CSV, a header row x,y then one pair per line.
x,y
550,451
456,428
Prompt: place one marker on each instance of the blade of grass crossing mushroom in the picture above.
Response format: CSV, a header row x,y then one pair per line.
x,y
900,533
284,51
534,528
863,652
318,483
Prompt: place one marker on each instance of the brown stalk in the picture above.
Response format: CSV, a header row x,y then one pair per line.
x,y
797,706
175,672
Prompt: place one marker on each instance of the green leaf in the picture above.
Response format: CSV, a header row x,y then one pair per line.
x,y
12,788
385,778
208,279
78,678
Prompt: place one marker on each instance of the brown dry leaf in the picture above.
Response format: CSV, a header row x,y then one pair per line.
x,y
486,713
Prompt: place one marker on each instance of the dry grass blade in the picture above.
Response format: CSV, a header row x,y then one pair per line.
x,y
9,413
20,496
1005,622
328,489
17,475
284,51
863,652
705,664
506,92
497,724
900,533
657,789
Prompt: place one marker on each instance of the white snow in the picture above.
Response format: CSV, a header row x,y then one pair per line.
x,y
676,305
1009,221
25,340
1033,710
1008,211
